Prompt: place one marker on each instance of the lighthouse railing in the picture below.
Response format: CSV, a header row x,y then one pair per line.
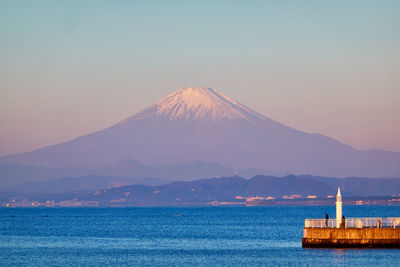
x,y
363,222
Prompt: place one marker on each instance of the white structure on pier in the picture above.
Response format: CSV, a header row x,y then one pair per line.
x,y
338,208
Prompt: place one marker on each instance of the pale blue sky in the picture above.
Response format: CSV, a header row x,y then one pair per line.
x,y
68,68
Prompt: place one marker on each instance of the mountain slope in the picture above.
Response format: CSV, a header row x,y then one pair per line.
x,y
201,124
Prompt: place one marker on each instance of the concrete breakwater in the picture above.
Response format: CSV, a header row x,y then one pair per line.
x,y
351,237
351,232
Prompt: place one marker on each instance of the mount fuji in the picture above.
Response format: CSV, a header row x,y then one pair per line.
x,y
202,124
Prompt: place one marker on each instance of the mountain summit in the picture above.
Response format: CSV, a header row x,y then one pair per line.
x,y
198,103
202,124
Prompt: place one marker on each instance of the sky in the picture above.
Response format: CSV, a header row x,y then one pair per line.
x,y
69,68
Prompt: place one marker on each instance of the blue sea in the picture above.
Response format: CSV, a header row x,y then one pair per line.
x,y
177,236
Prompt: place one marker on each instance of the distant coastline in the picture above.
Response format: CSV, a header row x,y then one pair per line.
x,y
93,191
351,201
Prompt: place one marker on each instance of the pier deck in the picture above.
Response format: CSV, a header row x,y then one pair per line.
x,y
353,233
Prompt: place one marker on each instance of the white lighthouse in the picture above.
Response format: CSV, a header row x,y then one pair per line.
x,y
338,208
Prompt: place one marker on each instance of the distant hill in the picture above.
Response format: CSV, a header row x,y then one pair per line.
x,y
85,183
227,188
14,174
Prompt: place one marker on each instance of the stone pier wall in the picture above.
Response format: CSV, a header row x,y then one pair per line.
x,y
351,237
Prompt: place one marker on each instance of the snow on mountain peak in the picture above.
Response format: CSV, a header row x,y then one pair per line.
x,y
200,103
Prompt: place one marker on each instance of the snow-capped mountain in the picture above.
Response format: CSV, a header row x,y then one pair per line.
x,y
202,124
199,103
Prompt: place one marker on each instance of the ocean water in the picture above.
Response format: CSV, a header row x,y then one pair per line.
x,y
176,236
